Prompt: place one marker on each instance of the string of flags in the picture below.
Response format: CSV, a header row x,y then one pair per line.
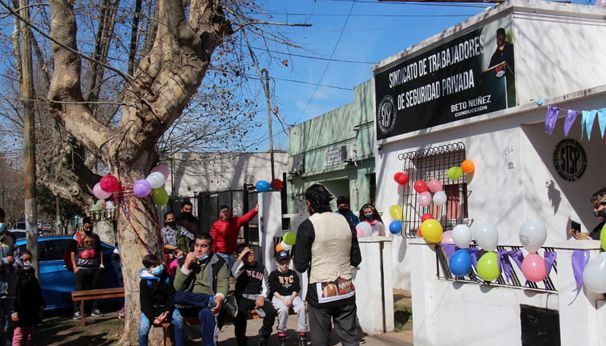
x,y
587,120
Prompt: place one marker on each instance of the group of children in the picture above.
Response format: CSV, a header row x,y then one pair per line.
x,y
270,295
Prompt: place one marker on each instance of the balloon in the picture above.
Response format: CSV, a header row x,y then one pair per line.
x,y
460,263
159,196
439,198
603,237
110,205
468,167
278,247
289,238
156,180
262,186
461,235
285,246
420,232
162,168
447,238
401,178
426,216
532,235
454,173
141,188
99,193
533,268
360,233
395,227
594,276
365,228
488,266
109,183
425,199
435,185
396,212
420,186
600,3
277,184
487,237
432,231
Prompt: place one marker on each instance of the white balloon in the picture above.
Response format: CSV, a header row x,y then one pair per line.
x,y
439,198
487,237
365,228
594,276
285,246
532,235
156,180
461,235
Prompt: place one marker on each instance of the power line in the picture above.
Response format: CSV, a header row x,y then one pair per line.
x,y
469,5
463,15
315,57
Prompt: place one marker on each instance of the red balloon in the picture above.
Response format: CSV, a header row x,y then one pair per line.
x,y
420,186
277,184
401,178
109,183
426,216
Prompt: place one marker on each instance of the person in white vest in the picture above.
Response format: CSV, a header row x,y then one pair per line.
x,y
327,248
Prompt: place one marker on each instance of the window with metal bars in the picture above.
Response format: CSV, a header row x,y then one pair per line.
x,y
428,164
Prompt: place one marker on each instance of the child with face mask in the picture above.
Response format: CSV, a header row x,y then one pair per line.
x,y
156,293
368,213
28,307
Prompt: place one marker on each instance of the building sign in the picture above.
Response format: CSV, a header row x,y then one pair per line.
x,y
470,75
336,155
569,159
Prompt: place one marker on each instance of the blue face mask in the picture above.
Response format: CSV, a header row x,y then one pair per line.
x,y
2,227
156,271
202,258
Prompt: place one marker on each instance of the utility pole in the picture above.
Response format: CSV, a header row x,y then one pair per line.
x,y
29,134
271,136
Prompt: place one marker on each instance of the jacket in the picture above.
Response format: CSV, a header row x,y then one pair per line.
x,y
156,294
225,233
209,277
28,301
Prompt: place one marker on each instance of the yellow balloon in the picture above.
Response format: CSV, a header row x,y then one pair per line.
x,y
603,237
432,231
396,212
488,266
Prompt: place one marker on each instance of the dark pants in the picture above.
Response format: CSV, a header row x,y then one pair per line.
x,y
85,279
6,306
208,322
344,318
244,306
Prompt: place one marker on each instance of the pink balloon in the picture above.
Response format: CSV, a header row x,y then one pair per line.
x,y
99,193
435,185
162,168
533,268
360,233
447,238
424,199
600,3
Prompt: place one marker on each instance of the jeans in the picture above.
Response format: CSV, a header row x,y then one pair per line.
x,y
23,335
344,318
208,321
229,259
86,279
177,322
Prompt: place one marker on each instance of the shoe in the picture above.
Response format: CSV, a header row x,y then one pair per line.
x,y
302,340
76,315
262,340
282,338
121,314
96,313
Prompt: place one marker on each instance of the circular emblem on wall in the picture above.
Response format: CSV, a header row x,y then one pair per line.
x,y
570,159
386,115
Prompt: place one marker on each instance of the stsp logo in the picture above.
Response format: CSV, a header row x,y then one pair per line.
x,y
570,159
386,115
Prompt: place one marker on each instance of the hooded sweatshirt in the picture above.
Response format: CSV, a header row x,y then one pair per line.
x,y
156,294
225,232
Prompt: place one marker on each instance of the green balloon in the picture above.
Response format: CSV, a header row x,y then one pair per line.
x,y
455,173
160,196
488,266
289,238
603,237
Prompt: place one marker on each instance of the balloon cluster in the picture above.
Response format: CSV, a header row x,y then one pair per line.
x,y
425,190
532,237
460,262
264,185
288,240
487,238
397,214
455,172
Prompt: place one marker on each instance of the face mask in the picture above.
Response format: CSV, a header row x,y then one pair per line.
x,y
343,210
600,213
156,271
2,227
27,264
178,256
202,258
369,216
171,224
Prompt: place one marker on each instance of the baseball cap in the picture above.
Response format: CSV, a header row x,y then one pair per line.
x,y
282,255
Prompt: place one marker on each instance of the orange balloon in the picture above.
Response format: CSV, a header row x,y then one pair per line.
x,y
420,233
278,247
468,167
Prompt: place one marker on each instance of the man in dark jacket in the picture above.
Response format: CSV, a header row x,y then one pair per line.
x,y
187,219
343,208
327,248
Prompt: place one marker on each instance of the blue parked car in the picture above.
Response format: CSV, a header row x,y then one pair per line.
x,y
56,281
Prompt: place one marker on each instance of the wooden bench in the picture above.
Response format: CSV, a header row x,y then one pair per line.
x,y
103,293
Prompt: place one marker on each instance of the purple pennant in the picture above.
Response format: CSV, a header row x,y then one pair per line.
x,y
579,261
550,258
504,264
570,118
475,253
551,118
449,249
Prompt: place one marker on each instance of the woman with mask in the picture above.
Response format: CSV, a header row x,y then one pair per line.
x,y
368,213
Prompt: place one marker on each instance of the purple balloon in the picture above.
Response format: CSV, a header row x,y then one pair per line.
x,y
142,188
162,168
99,193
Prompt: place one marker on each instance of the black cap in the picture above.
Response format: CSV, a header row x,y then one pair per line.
x,y
342,200
282,255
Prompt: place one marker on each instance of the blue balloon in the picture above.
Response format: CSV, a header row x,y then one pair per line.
x,y
460,262
395,227
262,186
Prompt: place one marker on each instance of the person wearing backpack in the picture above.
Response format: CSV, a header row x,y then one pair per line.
x,y
202,282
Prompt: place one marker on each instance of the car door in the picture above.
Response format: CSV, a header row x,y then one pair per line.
x,y
56,281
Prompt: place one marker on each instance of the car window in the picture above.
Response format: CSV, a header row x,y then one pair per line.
x,y
54,249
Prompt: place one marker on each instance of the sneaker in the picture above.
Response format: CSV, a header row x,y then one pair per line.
x,y
96,313
302,339
282,338
76,315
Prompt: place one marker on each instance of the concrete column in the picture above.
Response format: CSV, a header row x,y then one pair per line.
x,y
270,225
421,277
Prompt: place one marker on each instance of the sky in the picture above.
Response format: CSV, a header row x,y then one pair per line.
x,y
362,31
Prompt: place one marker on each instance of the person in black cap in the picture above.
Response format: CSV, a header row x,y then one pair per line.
x,y
343,209
284,288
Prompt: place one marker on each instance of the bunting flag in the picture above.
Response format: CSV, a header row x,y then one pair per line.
x,y
584,116
590,120
602,121
551,119
587,120
570,118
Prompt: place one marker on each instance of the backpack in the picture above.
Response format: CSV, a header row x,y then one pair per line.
x,y
71,248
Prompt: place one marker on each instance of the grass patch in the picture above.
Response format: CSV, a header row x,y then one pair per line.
x,y
402,314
